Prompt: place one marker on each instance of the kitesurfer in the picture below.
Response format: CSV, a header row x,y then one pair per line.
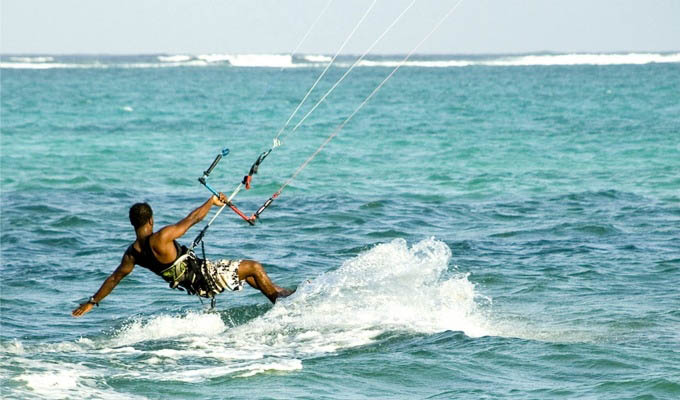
x,y
180,267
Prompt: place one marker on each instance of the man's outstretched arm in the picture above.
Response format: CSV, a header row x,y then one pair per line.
x,y
127,264
172,232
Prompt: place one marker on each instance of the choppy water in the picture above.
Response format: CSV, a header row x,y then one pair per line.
x,y
486,227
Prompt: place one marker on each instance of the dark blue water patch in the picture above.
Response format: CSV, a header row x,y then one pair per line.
x,y
352,251
586,272
668,266
637,387
608,364
645,319
507,216
594,229
377,204
13,325
416,197
439,177
30,209
472,363
240,315
387,234
346,219
486,280
63,242
71,221
91,250
527,234
663,385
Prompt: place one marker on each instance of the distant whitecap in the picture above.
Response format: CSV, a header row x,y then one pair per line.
x,y
175,59
584,59
251,60
317,58
32,59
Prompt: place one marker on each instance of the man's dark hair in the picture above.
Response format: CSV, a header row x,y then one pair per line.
x,y
140,214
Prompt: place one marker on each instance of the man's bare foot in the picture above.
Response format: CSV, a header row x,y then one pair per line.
x,y
284,293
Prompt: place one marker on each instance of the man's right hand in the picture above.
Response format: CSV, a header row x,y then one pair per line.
x,y
82,310
222,200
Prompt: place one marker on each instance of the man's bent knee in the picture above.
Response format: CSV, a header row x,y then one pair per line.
x,y
249,268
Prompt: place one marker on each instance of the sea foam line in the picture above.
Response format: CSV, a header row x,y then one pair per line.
x,y
287,61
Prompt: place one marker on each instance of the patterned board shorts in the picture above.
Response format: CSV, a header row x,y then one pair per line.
x,y
221,275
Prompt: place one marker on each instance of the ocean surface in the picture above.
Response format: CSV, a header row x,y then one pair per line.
x,y
485,227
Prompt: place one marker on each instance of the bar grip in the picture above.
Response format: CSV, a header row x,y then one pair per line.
x,y
250,220
264,206
213,165
217,159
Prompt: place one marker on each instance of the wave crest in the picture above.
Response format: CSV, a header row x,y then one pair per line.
x,y
32,59
250,60
587,59
174,59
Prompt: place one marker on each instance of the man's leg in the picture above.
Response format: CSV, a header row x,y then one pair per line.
x,y
253,273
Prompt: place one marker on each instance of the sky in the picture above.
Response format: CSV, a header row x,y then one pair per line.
x,y
276,26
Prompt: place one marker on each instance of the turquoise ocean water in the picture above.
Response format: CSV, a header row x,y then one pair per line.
x,y
485,227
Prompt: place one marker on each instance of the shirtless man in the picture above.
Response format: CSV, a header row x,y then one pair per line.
x,y
160,253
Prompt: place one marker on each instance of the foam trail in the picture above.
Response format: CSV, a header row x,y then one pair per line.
x,y
165,326
390,287
346,307
62,380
